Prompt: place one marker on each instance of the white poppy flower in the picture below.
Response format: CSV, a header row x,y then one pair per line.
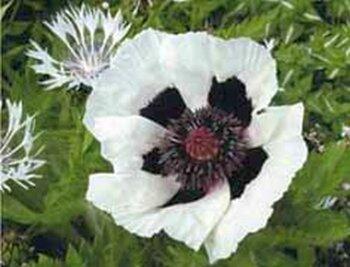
x,y
90,36
196,150
18,162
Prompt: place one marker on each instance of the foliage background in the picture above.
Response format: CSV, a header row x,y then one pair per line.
x,y
52,224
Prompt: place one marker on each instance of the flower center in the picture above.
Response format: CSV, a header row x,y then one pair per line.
x,y
202,148
201,144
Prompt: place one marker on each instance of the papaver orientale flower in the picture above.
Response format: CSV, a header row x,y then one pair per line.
x,y
196,149
18,158
90,36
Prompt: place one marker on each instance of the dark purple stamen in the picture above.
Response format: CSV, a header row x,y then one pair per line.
x,y
203,148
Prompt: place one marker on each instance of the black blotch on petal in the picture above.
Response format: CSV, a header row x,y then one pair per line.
x,y
252,165
151,161
184,196
166,106
231,96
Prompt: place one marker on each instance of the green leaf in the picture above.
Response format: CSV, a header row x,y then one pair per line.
x,y
16,211
4,8
73,258
45,261
322,174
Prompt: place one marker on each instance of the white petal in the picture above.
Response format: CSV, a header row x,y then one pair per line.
x,y
186,58
134,192
125,139
153,61
251,63
117,99
278,129
276,123
135,203
251,211
192,222
136,79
